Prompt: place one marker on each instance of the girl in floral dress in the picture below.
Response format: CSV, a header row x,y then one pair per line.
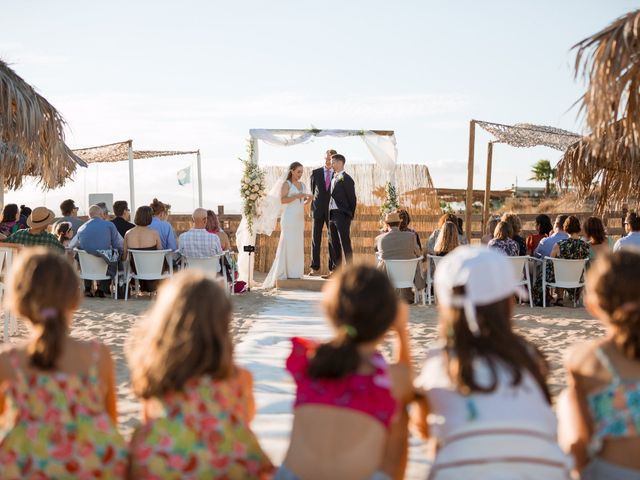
x,y
57,393
197,403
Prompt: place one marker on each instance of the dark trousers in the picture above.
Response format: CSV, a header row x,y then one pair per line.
x,y
339,233
319,221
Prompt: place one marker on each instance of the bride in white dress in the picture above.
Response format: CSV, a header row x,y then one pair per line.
x,y
289,261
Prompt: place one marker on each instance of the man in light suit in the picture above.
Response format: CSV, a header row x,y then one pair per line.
x,y
321,191
398,245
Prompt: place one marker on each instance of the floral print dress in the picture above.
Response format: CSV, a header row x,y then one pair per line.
x,y
199,433
570,249
55,426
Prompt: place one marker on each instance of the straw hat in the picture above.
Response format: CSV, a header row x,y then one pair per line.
x,y
392,217
41,217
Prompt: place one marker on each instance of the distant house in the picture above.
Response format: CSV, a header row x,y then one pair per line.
x,y
529,192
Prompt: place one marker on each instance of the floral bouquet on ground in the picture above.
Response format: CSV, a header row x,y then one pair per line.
x,y
251,188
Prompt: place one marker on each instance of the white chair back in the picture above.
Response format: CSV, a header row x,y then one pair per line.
x,y
517,263
568,273
92,267
149,263
209,265
402,272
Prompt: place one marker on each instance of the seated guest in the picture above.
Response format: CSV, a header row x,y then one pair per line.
x,y
37,234
64,233
69,214
142,237
462,238
632,228
24,215
213,226
599,410
431,242
491,227
543,227
572,248
198,403
123,215
58,398
197,242
349,419
405,220
448,239
10,217
596,237
99,237
516,227
162,226
397,245
482,393
502,240
546,244
105,210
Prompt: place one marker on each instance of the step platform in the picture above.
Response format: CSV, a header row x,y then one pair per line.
x,y
310,284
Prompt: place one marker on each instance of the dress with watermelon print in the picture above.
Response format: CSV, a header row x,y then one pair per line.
x,y
55,425
200,432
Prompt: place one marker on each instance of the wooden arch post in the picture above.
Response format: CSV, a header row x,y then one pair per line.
x,y
486,206
469,203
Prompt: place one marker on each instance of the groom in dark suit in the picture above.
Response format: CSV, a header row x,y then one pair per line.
x,y
321,191
342,208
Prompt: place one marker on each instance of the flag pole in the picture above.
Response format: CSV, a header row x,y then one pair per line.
x,y
199,180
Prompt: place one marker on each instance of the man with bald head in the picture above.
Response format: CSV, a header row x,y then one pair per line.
x,y
98,237
197,242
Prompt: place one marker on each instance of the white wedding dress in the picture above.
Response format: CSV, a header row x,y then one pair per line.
x,y
289,261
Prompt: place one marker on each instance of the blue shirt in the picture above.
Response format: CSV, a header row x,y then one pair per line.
x,y
546,244
165,230
632,239
99,234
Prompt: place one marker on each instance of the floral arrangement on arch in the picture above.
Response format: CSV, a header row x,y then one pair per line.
x,y
251,186
391,202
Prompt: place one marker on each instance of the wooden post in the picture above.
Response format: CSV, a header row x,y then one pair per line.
x,y
487,189
469,202
199,179
132,187
220,209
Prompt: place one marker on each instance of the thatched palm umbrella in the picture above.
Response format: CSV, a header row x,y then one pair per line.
x,y
609,156
31,136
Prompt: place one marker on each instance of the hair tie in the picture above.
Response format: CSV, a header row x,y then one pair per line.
x,y
48,313
350,331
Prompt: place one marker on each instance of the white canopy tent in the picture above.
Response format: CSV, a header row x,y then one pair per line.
x,y
121,151
380,143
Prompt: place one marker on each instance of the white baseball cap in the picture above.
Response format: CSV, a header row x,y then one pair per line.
x,y
486,274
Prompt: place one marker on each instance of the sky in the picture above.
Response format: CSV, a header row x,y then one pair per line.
x,y
199,74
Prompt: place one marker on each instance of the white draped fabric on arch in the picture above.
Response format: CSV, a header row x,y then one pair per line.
x,y
381,145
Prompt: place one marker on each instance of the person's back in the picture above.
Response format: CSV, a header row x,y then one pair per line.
x,y
197,403
599,412
98,234
58,395
347,422
485,402
397,245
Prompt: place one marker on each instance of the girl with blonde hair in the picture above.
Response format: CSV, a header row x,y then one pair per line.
x,y
197,402
57,393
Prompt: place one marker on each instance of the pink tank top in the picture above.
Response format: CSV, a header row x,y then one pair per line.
x,y
369,394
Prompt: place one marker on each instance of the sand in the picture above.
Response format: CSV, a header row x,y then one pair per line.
x,y
552,330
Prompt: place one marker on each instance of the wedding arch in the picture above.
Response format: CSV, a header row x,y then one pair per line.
x,y
257,217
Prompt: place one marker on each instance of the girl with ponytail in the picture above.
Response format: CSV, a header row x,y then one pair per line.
x,y
600,410
57,393
349,417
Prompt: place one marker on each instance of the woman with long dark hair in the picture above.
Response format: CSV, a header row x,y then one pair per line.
x,y
289,261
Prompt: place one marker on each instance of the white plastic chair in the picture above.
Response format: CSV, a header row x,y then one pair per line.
x,y
568,274
149,264
402,273
521,268
10,323
209,265
95,268
430,271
